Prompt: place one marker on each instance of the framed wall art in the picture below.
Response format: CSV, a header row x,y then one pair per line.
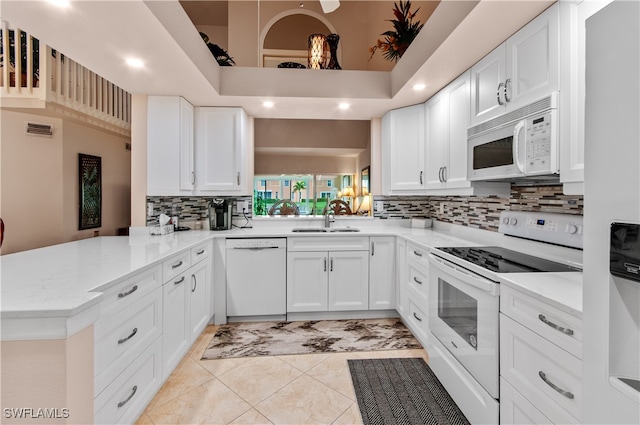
x,y
90,173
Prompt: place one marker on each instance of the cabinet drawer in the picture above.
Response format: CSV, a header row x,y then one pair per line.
x,y
328,243
515,409
418,321
546,375
127,396
559,327
418,279
121,338
130,291
418,255
176,265
201,252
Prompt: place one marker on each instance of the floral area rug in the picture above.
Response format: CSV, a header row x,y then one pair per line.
x,y
303,337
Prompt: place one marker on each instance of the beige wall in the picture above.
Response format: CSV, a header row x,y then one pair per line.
x,y
359,24
51,374
39,197
349,134
299,164
217,34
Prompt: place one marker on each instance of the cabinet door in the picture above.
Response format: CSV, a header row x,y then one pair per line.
x,y
170,146
406,151
532,60
307,281
198,302
218,149
436,143
382,273
176,336
457,121
487,82
187,158
348,280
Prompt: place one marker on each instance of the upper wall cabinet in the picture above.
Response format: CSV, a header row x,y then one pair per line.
x,y
170,146
224,151
403,151
523,69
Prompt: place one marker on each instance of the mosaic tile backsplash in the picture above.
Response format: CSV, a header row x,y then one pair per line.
x,y
480,211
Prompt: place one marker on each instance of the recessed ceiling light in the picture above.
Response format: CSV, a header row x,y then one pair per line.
x,y
60,3
135,62
267,104
419,86
344,106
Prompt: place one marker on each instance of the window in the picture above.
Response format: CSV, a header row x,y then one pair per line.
x,y
329,183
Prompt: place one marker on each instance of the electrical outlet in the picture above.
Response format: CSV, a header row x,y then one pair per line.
x,y
242,206
378,205
149,209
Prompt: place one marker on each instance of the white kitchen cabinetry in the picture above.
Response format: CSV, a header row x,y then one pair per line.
x,y
401,265
417,290
324,274
522,70
403,144
186,308
382,273
540,360
224,151
170,146
572,96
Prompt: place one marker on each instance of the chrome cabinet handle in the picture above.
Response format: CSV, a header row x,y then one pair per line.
x,y
123,340
373,248
131,291
178,282
546,321
417,317
440,174
498,94
444,174
331,264
193,177
238,178
200,252
175,266
420,177
506,86
418,281
565,393
195,282
125,401
325,264
419,254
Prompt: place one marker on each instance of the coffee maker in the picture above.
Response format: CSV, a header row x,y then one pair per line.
x,y
220,214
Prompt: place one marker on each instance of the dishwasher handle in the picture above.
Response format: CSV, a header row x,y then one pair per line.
x,y
256,248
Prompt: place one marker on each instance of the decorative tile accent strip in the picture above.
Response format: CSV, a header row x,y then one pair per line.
x,y
193,208
402,207
483,212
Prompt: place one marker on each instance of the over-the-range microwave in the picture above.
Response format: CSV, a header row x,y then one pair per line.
x,y
522,144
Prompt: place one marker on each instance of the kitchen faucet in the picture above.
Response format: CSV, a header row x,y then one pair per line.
x,y
328,219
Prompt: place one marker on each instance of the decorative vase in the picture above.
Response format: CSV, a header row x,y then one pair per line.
x,y
332,41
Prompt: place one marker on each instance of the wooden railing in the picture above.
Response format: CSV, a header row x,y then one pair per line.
x,y
43,75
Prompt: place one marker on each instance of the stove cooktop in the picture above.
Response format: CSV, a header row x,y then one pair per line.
x,y
502,260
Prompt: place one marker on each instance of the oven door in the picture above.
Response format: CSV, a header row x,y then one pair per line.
x,y
497,154
464,315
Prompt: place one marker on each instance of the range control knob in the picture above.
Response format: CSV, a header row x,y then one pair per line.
x,y
571,228
505,220
513,221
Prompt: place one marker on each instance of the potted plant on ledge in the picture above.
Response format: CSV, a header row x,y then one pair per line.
x,y
396,42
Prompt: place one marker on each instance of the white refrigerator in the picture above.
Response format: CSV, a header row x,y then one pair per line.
x,y
611,307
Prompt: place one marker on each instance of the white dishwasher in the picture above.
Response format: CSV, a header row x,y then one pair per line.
x,y
256,276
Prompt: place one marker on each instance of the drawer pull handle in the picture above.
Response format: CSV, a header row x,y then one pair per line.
x,y
178,282
567,394
454,344
195,283
200,252
125,401
544,320
418,281
123,340
325,264
419,254
331,264
417,317
131,291
175,266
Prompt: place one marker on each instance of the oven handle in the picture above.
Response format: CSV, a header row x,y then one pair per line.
x,y
468,277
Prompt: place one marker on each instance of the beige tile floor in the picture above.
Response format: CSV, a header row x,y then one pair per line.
x,y
297,389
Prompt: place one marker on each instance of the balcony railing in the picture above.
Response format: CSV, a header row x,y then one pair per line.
x,y
42,74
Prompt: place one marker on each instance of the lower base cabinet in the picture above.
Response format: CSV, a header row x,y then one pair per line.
x,y
176,334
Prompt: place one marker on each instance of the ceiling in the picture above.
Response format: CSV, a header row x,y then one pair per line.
x,y
101,35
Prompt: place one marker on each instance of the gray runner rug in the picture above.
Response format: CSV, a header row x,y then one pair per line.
x,y
402,391
313,336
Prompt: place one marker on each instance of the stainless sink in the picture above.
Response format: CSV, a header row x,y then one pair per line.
x,y
324,229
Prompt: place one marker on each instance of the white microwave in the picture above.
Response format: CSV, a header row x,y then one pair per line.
x,y
512,149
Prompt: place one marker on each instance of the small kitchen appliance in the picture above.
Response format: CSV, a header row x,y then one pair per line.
x,y
220,214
